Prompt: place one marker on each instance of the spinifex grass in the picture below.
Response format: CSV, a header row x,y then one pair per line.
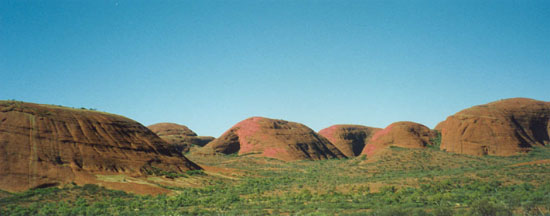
x,y
401,182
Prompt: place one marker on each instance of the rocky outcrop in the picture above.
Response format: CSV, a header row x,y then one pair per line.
x,y
503,128
272,138
349,139
166,129
401,134
43,145
203,140
439,126
180,137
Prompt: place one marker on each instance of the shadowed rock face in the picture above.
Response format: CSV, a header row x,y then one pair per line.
x,y
272,138
349,139
180,137
506,127
401,134
42,145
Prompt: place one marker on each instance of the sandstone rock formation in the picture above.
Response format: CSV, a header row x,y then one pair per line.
x,y
349,139
43,145
178,136
164,129
505,127
401,134
439,126
272,138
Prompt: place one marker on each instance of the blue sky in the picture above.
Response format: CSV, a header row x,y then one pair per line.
x,y
211,64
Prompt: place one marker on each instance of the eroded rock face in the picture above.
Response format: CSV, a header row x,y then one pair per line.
x,y
401,134
180,137
503,128
349,139
272,138
42,145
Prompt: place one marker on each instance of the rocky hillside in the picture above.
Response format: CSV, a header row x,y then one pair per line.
x,y
400,134
44,145
272,138
349,139
179,137
505,127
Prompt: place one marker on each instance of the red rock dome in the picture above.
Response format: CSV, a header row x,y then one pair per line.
x,y
43,145
349,139
401,134
272,138
180,137
505,127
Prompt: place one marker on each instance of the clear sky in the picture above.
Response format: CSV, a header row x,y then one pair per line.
x,y
211,64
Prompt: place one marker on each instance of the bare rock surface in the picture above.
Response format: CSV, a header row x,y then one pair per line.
x,y
273,138
349,139
45,145
179,137
401,134
506,127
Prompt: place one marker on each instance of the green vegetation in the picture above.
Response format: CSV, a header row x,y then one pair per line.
x,y
84,108
401,182
9,105
171,174
436,142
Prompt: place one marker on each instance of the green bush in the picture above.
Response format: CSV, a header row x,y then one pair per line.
x,y
390,211
436,141
443,211
435,183
486,207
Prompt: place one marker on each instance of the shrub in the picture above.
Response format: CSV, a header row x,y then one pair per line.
x,y
443,211
436,141
195,172
485,207
392,211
